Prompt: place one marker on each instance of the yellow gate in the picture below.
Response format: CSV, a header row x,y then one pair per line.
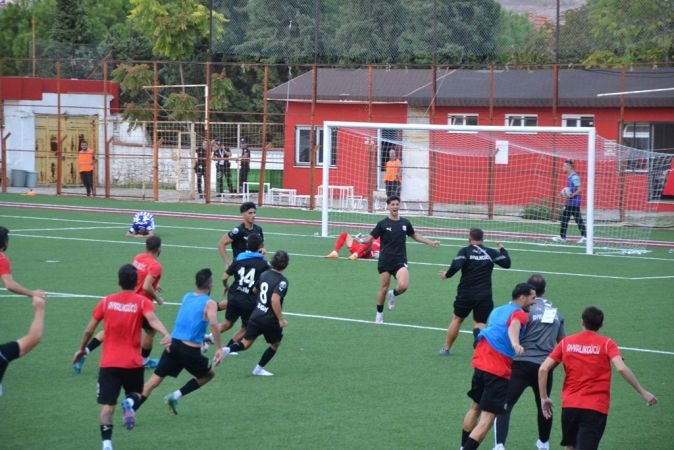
x,y
73,129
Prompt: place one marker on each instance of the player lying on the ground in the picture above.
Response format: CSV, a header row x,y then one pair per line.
x,y
142,226
357,250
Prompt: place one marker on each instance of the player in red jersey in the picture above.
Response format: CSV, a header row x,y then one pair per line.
x,y
6,270
586,393
149,272
121,364
357,250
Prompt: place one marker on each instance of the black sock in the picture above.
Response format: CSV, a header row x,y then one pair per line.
x,y
464,436
145,352
190,386
137,398
470,444
380,308
236,347
395,292
106,432
229,344
476,332
267,356
93,344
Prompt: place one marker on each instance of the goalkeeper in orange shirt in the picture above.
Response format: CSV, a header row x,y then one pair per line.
x,y
358,251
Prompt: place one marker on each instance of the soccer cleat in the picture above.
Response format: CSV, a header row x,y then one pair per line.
x,y
204,347
226,351
542,445
129,415
172,404
391,299
208,339
107,446
77,367
353,256
582,240
260,372
558,239
379,318
499,447
151,363
444,351
332,255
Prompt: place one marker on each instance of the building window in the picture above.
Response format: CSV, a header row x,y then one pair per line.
x,y
573,121
302,137
520,120
637,137
462,119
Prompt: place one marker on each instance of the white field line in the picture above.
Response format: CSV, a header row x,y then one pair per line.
x,y
196,247
321,317
461,240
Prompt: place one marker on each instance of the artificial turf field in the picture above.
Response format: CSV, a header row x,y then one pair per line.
x,y
340,380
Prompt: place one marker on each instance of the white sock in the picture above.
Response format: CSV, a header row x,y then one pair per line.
x,y
177,394
107,444
86,351
130,399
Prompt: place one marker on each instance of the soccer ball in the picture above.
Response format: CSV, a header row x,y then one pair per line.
x,y
566,192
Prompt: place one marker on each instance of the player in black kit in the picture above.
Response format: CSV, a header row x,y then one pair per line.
x,y
476,263
241,300
267,317
393,232
239,235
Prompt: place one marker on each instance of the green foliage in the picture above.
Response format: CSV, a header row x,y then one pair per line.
x,y
512,34
15,34
538,209
175,27
132,78
222,89
182,107
70,23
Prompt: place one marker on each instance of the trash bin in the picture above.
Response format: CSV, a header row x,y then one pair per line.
x,y
31,179
18,178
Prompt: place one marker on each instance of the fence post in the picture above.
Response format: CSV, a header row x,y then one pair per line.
x,y
59,139
263,162
155,142
3,151
105,130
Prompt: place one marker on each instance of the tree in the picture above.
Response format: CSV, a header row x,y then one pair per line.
x,y
70,24
512,33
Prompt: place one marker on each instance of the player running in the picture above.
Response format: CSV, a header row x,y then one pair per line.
x,y
238,236
357,250
267,318
393,232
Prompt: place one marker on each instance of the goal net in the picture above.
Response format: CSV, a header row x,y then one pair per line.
x,y
505,180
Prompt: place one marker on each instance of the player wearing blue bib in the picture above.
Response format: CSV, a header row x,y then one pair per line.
x,y
572,205
142,225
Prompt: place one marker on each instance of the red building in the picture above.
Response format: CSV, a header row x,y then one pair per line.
x,y
479,97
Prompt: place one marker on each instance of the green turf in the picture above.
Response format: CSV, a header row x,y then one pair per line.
x,y
337,384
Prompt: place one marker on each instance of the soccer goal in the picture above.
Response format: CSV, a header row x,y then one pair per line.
x,y
505,180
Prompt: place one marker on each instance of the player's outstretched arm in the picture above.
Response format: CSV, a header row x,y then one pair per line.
x,y
629,376
546,404
34,336
11,285
424,240
155,323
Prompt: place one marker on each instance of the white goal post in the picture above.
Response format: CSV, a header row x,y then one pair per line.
x,y
494,177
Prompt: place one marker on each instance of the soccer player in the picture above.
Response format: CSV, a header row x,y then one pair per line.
x,y
149,272
476,263
357,250
6,270
572,205
497,344
238,236
393,232
241,300
196,312
10,351
586,392
142,225
267,318
121,362
544,330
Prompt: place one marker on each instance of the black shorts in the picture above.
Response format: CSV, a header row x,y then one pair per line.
x,y
112,379
182,356
489,391
481,307
582,429
273,333
391,267
237,307
8,353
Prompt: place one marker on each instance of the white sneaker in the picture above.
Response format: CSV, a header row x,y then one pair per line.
x,y
582,240
379,318
208,339
226,352
391,299
260,372
558,239
499,447
204,347
542,445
